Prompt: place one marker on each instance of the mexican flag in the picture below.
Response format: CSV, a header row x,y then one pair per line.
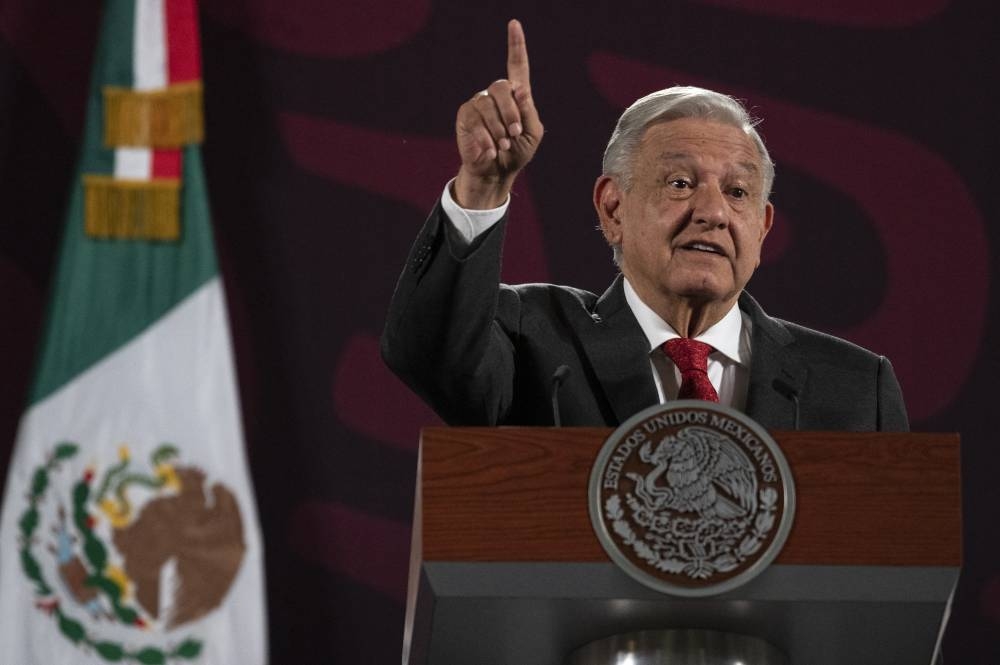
x,y
129,531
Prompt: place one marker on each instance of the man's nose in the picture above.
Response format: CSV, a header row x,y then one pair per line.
x,y
710,206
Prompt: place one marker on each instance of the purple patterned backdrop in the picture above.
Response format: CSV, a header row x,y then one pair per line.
x,y
330,136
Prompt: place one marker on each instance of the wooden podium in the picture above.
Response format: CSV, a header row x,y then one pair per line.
x,y
506,570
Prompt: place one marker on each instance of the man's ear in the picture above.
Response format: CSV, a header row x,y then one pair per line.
x,y
607,202
768,219
768,222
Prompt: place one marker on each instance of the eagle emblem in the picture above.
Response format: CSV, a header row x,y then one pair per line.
x,y
688,498
126,561
697,471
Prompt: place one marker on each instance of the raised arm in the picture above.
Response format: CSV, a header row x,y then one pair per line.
x,y
497,131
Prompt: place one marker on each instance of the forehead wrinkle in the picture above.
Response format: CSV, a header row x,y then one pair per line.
x,y
751,167
675,157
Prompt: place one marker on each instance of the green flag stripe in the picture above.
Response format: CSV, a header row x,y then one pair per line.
x,y
108,291
112,66
113,60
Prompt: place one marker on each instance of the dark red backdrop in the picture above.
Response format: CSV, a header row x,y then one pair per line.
x,y
330,135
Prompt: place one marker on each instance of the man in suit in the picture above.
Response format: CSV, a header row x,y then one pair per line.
x,y
683,200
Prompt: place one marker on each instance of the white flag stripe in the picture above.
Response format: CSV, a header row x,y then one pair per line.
x,y
175,384
134,163
149,72
149,45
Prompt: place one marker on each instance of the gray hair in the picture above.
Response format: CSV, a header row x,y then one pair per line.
x,y
674,104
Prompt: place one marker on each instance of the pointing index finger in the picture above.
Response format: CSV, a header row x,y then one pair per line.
x,y
518,72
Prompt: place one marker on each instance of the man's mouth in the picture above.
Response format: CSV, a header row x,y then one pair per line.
x,y
708,247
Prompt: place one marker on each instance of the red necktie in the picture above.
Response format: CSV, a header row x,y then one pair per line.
x,y
691,358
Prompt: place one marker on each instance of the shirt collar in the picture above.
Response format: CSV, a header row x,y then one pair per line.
x,y
724,336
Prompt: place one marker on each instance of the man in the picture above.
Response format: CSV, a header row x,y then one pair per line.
x,y
683,201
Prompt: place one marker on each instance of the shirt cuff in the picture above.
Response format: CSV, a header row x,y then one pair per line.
x,y
470,224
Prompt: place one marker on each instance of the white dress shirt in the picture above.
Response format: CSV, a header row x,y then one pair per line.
x,y
728,365
470,223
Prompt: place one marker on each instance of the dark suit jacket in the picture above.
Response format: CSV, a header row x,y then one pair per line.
x,y
483,353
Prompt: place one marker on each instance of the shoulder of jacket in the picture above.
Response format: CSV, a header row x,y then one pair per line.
x,y
553,293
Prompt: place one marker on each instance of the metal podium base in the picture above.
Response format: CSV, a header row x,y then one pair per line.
x,y
678,647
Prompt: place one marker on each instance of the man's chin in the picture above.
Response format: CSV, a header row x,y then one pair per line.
x,y
703,291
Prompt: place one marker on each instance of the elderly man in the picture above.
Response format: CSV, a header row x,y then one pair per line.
x,y
683,202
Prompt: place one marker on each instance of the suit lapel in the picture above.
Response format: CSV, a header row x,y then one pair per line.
x,y
771,361
618,352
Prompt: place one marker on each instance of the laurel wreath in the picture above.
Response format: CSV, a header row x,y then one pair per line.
x,y
699,569
96,554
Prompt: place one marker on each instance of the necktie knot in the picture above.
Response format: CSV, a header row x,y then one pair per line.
x,y
688,354
691,358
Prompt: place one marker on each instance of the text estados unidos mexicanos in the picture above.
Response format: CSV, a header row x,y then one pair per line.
x,y
639,436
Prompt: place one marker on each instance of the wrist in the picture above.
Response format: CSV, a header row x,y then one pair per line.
x,y
475,192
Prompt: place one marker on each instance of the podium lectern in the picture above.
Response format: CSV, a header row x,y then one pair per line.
x,y
506,569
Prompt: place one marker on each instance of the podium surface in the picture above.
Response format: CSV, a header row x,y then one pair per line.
x,y
506,568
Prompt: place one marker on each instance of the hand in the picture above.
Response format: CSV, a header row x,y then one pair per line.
x,y
497,131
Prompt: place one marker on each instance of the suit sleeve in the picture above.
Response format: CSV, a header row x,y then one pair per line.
x,y
450,327
891,408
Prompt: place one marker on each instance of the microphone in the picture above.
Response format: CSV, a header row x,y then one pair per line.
x,y
790,393
557,380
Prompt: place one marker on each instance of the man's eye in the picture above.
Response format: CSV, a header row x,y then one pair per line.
x,y
738,193
679,183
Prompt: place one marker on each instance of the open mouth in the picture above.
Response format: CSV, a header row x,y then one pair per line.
x,y
706,247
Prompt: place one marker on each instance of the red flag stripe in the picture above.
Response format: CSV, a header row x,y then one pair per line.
x,y
183,64
166,163
183,48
